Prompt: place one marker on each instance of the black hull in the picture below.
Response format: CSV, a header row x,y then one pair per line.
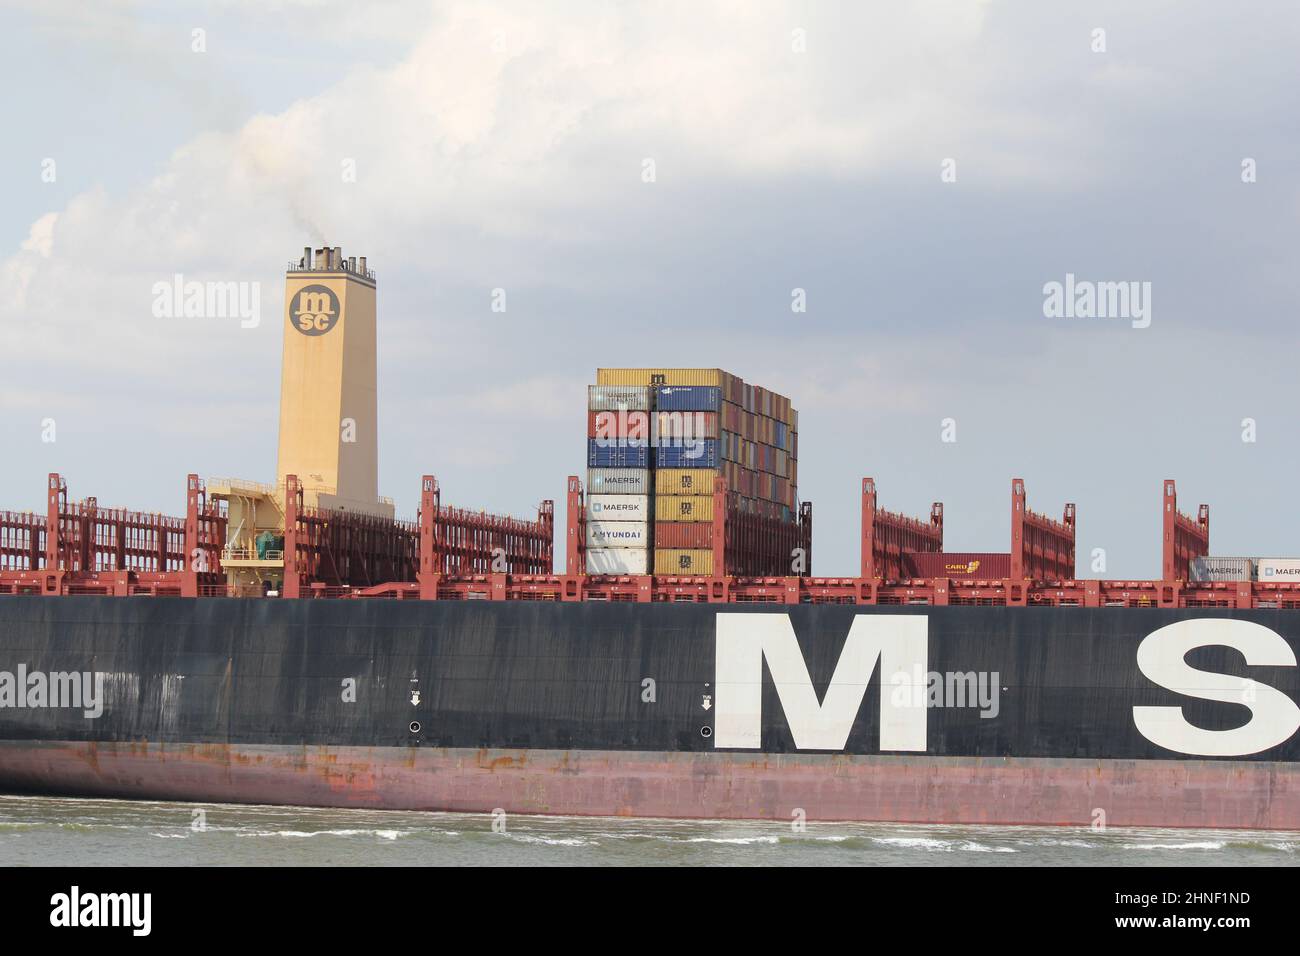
x,y
437,682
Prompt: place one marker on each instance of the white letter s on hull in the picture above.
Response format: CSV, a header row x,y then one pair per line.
x,y
1274,717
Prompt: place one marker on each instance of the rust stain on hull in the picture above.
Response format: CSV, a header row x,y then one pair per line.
x,y
672,784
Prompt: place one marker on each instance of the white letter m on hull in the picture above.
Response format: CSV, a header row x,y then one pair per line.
x,y
744,641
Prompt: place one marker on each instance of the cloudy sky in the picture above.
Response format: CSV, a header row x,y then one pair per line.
x,y
922,170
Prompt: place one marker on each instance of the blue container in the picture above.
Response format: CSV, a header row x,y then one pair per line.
x,y
688,398
699,453
623,453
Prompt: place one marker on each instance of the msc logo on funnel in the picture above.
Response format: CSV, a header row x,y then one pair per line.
x,y
314,310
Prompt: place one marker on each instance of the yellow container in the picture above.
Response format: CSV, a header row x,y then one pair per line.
x,y
683,561
683,507
768,404
684,481
671,376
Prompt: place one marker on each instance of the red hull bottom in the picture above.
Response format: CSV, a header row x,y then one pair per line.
x,y
920,789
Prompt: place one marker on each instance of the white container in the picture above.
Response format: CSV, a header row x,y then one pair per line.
x,y
618,508
618,481
611,398
1210,568
618,534
616,561
1278,570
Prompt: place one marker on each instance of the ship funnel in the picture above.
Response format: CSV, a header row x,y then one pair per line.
x,y
329,429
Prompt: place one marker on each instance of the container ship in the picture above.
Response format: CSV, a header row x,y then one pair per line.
x,y
293,642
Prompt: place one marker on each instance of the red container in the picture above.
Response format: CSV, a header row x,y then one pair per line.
x,y
683,534
680,425
963,565
620,424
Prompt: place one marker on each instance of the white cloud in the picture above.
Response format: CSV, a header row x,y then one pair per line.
x,y
504,121
40,239
16,272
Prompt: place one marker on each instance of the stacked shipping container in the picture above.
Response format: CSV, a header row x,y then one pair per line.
x,y
1208,568
618,479
702,423
687,453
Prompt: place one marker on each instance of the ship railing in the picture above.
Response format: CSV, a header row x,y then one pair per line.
x,y
271,490
264,488
241,484
295,265
250,554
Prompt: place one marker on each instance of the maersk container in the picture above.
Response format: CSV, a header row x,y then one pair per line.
x,y
617,534
1277,570
618,481
688,398
683,561
606,398
700,453
621,453
617,561
618,507
1208,568
684,507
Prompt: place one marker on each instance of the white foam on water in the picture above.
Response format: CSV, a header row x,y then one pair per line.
x,y
974,847
920,843
942,846
552,841
1208,845
304,834
605,835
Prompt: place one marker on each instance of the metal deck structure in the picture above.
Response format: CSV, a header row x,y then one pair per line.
x,y
448,553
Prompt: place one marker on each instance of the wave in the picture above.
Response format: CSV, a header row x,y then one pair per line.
x,y
551,841
306,834
1206,845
